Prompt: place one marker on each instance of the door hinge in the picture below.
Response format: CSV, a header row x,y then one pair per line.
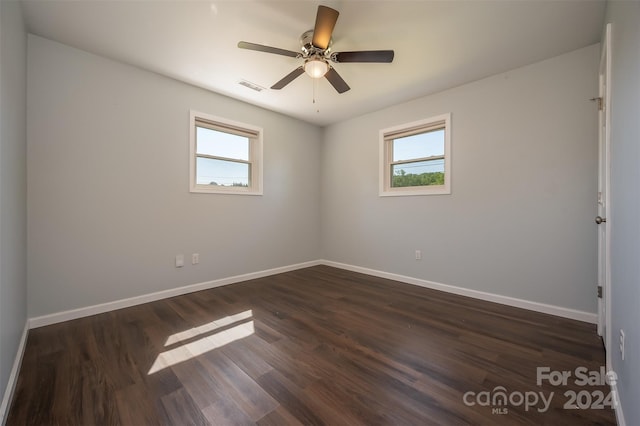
x,y
599,292
599,101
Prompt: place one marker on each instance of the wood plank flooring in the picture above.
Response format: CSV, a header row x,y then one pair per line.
x,y
314,346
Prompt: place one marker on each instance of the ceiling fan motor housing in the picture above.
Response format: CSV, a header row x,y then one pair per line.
x,y
307,47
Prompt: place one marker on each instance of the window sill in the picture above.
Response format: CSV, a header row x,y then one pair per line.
x,y
213,190
413,191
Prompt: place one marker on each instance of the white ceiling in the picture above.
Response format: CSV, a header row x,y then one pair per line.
x,y
438,44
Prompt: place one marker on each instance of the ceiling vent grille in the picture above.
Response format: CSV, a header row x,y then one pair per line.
x,y
251,85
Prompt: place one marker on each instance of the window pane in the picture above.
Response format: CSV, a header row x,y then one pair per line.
x,y
419,173
221,173
419,146
221,144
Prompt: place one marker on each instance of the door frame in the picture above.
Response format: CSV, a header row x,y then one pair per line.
x,y
604,177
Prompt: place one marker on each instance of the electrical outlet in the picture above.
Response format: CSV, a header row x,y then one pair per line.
x,y
179,260
195,258
622,344
418,254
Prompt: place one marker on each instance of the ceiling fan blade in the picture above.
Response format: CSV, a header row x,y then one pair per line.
x,y
267,49
288,78
336,81
325,22
381,56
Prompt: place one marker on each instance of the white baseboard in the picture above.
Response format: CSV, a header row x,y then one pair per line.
x,y
617,406
13,376
491,297
57,317
137,300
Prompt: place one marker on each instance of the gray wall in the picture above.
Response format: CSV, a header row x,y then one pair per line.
x,y
625,200
13,203
519,221
108,187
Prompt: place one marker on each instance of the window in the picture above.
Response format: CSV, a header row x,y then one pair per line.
x,y
226,156
415,158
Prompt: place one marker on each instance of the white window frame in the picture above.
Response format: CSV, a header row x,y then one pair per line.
x,y
254,134
386,137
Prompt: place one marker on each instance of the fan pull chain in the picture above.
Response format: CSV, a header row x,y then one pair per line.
x,y
315,84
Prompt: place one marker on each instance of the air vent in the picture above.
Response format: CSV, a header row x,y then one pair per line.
x,y
251,85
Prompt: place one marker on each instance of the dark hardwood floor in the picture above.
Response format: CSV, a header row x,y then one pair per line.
x,y
313,346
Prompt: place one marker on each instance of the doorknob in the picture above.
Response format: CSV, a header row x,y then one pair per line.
x,y
599,219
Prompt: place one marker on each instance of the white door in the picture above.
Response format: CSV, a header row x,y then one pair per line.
x,y
604,206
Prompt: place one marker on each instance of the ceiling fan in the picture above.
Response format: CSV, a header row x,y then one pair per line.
x,y
316,52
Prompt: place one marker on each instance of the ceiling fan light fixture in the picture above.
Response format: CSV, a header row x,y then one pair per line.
x,y
316,67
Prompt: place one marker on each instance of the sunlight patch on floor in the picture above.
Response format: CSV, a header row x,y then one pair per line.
x,y
207,328
205,344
